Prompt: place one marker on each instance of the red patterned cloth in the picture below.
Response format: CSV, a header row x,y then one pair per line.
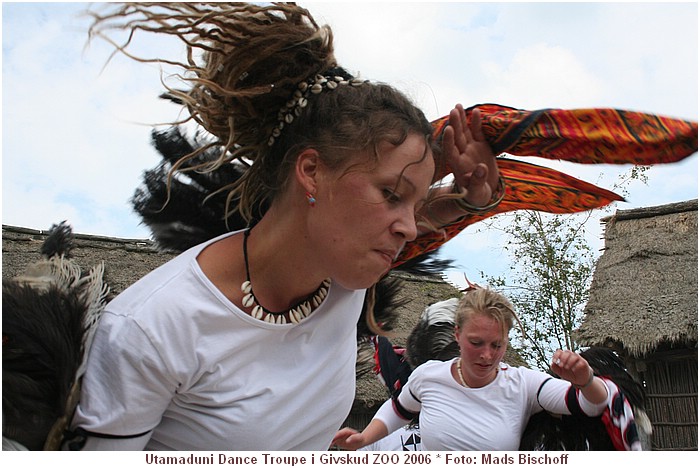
x,y
586,136
619,420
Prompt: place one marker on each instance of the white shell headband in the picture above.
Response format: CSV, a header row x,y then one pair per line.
x,y
299,100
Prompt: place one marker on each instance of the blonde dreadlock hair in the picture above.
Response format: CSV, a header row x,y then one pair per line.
x,y
244,63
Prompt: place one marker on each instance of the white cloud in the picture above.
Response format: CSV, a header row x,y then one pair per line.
x,y
72,146
542,75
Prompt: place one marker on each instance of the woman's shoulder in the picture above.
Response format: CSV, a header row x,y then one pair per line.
x,y
429,374
166,282
435,363
431,369
522,372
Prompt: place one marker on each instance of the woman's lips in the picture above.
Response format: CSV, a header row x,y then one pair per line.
x,y
389,255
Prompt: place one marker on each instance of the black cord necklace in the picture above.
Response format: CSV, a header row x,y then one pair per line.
x,y
295,314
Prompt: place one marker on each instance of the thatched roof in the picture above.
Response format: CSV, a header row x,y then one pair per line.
x,y
126,260
644,291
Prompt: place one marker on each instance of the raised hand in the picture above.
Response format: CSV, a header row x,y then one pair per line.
x,y
572,367
470,157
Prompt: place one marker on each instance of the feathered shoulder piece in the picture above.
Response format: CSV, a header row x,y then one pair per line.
x,y
49,315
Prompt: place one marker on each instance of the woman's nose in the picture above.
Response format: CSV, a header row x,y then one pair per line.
x,y
405,225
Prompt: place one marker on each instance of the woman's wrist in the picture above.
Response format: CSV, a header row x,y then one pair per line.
x,y
590,380
496,199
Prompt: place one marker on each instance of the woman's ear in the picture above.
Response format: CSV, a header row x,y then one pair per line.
x,y
306,169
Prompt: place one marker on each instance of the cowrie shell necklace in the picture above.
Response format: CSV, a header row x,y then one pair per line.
x,y
295,314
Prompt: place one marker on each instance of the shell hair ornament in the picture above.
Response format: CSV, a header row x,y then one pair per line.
x,y
300,98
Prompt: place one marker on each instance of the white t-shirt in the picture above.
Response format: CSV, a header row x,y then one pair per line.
x,y
174,356
492,417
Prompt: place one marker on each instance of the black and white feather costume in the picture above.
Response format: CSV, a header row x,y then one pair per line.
x,y
49,316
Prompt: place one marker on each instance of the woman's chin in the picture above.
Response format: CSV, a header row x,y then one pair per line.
x,y
364,282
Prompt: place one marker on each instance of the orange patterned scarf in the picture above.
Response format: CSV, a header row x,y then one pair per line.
x,y
586,136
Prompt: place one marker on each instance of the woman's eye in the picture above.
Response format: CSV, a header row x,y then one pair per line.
x,y
391,196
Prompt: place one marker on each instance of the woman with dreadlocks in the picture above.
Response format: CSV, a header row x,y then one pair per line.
x,y
247,341
475,401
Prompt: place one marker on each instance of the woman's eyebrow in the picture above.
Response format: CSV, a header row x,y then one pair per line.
x,y
408,181
404,177
424,200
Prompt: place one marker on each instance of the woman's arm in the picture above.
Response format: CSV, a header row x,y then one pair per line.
x,y
477,186
124,371
350,439
385,421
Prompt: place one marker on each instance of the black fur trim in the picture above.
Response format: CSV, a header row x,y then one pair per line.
x,y
41,351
